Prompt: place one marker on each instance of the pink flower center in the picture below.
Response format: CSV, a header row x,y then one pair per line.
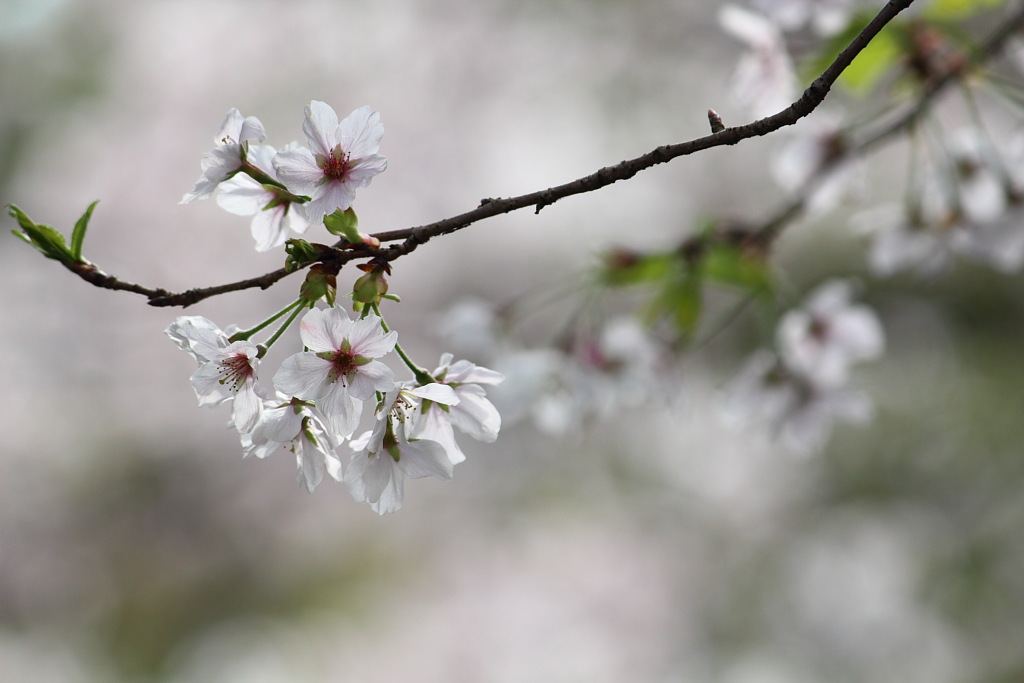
x,y
342,364
334,166
235,370
820,329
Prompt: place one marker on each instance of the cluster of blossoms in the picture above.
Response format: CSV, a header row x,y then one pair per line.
x,y
318,395
970,205
295,187
804,387
765,81
970,201
560,388
799,390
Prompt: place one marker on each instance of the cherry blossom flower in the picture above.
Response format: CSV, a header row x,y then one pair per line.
x,y
816,156
384,457
232,142
930,239
823,338
797,413
338,371
765,81
976,212
187,329
981,189
227,370
299,427
801,391
273,215
473,414
342,158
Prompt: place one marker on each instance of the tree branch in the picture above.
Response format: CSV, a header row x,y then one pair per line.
x,y
411,238
769,231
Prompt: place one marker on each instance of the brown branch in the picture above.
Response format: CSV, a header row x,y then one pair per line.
x,y
769,231
411,238
808,102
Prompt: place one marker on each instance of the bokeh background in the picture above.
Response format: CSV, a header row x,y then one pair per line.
x,y
659,545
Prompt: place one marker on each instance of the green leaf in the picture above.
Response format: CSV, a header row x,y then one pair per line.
x,y
344,224
730,265
623,268
299,253
78,234
681,300
958,9
868,67
43,237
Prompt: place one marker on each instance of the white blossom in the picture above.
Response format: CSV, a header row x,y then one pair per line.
x,y
342,158
822,339
300,428
232,141
765,81
227,370
272,216
816,157
473,414
797,413
383,457
338,372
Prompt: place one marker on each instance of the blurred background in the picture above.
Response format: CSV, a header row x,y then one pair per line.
x,y
660,545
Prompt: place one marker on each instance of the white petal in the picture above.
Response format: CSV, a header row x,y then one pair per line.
x,y
304,375
434,425
247,408
360,172
324,329
231,127
320,127
242,196
368,338
329,197
297,169
438,393
751,28
360,132
208,384
310,464
859,332
340,409
476,416
424,458
370,378
464,372
251,130
268,228
281,425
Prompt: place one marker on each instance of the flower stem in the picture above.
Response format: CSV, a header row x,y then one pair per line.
x,y
266,180
422,376
287,323
244,335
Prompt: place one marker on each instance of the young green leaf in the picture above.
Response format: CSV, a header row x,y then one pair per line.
x,y
43,237
78,234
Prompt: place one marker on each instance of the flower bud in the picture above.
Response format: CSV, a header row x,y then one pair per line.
x,y
345,224
320,283
371,287
300,252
